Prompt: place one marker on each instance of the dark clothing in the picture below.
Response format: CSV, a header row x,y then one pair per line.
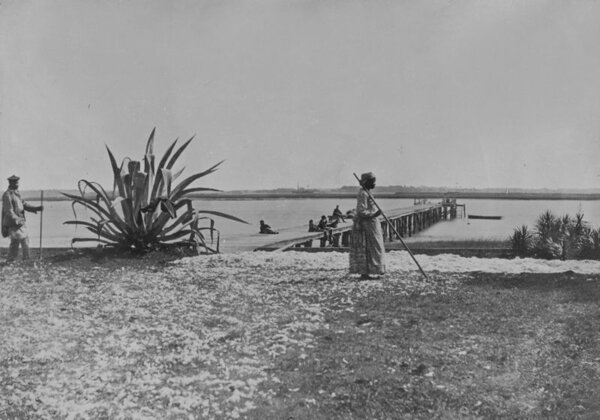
x,y
337,214
266,229
325,225
322,225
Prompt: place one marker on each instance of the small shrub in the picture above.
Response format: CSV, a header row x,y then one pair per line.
x,y
590,247
521,241
557,237
147,210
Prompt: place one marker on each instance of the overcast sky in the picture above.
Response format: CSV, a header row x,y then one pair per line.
x,y
305,92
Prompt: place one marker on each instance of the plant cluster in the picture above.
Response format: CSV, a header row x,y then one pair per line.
x,y
147,210
556,237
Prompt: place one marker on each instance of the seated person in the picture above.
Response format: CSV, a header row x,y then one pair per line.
x,y
266,229
325,225
311,226
322,224
337,214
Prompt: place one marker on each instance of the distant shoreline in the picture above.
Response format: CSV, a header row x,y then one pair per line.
x,y
401,195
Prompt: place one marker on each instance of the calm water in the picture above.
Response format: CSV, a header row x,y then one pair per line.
x,y
284,213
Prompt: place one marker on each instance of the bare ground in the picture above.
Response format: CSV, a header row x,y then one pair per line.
x,y
94,337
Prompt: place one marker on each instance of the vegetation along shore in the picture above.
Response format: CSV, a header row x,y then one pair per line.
x,y
350,192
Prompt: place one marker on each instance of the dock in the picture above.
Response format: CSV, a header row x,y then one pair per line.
x,y
406,220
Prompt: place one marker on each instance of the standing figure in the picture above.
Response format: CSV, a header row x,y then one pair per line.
x,y
337,214
366,247
13,219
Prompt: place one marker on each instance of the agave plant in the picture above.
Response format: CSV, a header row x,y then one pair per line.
x,y
147,209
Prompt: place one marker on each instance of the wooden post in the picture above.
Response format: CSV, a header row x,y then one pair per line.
x,y
346,238
41,221
336,239
323,240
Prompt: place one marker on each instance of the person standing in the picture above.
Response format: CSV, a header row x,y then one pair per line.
x,y
13,219
337,214
366,244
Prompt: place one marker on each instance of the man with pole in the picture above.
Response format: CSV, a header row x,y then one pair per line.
x,y
13,219
366,250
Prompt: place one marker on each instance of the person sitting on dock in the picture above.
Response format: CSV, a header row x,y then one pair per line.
x,y
324,224
337,214
266,229
311,226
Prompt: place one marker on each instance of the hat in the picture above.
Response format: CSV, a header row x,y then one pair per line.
x,y
13,178
366,177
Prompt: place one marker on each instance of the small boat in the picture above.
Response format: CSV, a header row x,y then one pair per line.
x,y
476,216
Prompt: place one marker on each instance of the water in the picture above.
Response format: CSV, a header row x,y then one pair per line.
x,y
283,213
515,213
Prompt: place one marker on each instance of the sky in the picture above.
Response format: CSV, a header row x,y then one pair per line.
x,y
463,93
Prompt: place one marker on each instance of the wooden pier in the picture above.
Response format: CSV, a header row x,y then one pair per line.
x,y
407,221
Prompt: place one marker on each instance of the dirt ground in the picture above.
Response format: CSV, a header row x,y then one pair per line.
x,y
96,336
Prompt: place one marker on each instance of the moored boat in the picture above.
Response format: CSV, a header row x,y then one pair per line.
x,y
477,216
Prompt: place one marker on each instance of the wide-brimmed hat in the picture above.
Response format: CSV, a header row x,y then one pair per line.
x,y
367,176
13,178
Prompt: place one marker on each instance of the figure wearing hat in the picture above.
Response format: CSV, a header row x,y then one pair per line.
x,y
13,219
367,250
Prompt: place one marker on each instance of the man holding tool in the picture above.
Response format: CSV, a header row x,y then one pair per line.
x,y
13,219
367,250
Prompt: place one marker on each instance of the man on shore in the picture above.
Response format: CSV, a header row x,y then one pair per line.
x,y
13,219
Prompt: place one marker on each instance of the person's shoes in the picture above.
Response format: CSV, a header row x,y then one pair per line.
x,y
369,277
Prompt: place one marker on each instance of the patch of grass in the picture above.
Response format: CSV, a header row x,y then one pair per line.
x,y
464,243
497,347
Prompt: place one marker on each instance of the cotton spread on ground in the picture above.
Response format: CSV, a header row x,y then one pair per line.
x,y
398,261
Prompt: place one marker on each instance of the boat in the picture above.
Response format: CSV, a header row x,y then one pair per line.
x,y
477,216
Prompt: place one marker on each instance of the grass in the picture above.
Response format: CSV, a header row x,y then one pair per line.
x,y
474,247
496,347
263,338
457,244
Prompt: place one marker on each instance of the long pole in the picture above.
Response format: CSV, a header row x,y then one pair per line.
x,y
391,225
41,221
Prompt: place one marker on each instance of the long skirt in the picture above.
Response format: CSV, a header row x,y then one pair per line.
x,y
366,247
